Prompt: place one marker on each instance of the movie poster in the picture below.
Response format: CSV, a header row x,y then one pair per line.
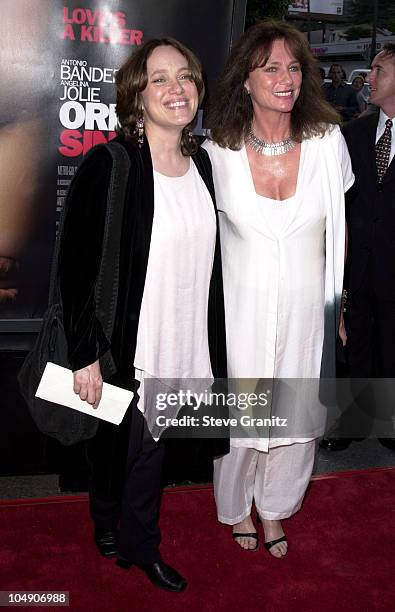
x,y
59,60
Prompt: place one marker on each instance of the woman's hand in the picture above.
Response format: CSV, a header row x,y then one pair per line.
x,y
88,384
342,330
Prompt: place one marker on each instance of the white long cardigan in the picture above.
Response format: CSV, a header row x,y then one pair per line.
x,y
282,292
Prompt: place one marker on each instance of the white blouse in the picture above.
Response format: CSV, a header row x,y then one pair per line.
x,y
172,337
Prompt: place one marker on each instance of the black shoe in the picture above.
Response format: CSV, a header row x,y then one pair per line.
x,y
388,443
335,444
160,574
106,540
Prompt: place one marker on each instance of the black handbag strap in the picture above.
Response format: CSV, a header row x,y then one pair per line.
x,y
106,288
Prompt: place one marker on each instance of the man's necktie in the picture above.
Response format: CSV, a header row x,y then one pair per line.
x,y
383,149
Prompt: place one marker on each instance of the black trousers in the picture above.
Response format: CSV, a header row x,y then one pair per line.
x,y
125,485
371,359
371,334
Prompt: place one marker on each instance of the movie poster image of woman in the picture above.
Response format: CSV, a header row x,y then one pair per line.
x,y
59,59
25,217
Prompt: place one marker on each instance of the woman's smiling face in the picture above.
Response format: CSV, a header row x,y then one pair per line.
x,y
276,86
170,99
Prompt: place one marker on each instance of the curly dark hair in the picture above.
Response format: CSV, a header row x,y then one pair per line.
x,y
131,79
231,112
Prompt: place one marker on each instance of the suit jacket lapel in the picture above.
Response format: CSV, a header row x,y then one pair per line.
x,y
370,150
390,174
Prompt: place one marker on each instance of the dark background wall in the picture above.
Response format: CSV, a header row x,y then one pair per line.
x,y
209,28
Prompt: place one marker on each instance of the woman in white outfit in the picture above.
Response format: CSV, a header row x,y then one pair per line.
x,y
281,168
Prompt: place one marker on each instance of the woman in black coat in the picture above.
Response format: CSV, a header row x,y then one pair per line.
x,y
169,319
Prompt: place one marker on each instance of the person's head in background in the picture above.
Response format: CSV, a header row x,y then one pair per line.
x,y
336,74
358,83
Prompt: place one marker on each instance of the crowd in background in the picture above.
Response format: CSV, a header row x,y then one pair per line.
x,y
350,99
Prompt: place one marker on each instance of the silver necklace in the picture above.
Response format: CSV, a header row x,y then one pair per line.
x,y
269,148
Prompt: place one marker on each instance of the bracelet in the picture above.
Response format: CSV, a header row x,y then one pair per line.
x,y
344,300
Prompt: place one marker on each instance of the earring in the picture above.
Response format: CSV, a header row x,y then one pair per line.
x,y
190,135
140,130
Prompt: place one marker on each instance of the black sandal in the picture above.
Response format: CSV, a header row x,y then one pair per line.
x,y
269,545
253,536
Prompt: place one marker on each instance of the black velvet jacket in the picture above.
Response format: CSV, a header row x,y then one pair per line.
x,y
80,256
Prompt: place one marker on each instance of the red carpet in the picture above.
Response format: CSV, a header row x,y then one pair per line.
x,y
341,553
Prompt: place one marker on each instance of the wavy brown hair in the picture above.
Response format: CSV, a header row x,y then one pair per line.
x,y
231,112
131,79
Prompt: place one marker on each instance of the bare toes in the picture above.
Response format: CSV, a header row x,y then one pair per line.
x,y
243,542
246,543
275,552
279,550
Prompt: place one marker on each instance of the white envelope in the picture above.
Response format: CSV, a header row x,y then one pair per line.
x,y
56,386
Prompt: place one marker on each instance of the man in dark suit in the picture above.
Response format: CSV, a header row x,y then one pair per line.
x,y
370,278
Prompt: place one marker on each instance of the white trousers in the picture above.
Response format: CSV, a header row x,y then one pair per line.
x,y
276,480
